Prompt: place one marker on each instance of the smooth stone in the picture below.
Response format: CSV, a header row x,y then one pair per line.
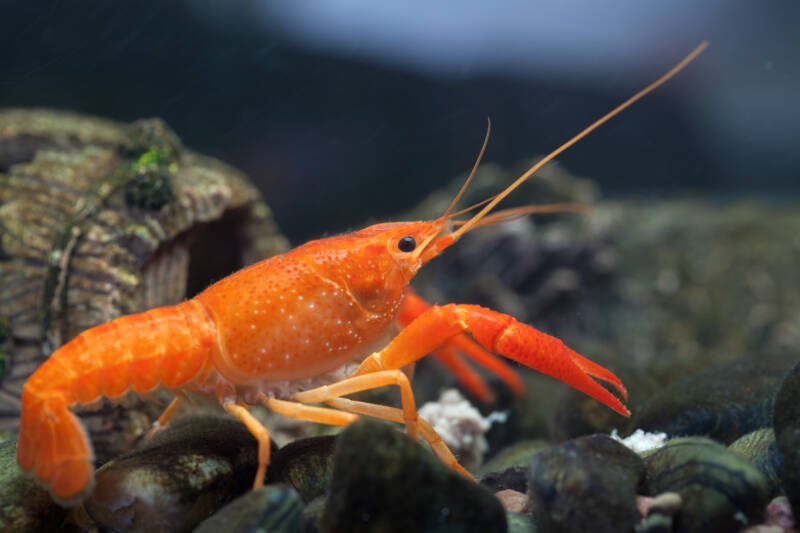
x,y
514,501
514,478
666,503
761,449
655,523
586,484
24,507
786,421
306,465
720,490
518,454
270,509
384,481
520,523
723,403
182,476
312,513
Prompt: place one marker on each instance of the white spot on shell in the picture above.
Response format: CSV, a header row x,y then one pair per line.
x,y
286,356
263,350
311,306
252,326
299,297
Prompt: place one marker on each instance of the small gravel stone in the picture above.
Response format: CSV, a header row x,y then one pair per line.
x,y
779,513
513,501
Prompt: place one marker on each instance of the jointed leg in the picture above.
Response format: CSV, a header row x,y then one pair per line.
x,y
366,382
259,432
396,415
165,417
321,415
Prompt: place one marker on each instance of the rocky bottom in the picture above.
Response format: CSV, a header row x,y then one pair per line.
x,y
196,476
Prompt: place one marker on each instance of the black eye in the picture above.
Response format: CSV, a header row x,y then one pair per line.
x,y
407,244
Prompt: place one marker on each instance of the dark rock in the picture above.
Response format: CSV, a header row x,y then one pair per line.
x,y
720,490
313,512
761,449
666,503
24,507
723,403
520,523
270,509
587,484
182,476
514,478
518,454
786,420
383,481
655,523
306,465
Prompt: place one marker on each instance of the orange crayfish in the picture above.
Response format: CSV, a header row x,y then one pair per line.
x,y
305,327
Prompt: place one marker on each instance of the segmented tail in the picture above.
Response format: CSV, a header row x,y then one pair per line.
x,y
167,346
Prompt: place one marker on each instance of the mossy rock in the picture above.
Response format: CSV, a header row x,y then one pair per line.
x,y
100,219
721,491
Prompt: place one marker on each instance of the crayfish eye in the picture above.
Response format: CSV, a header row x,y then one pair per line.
x,y
407,244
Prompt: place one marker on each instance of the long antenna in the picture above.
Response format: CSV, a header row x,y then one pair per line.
x,y
463,188
488,207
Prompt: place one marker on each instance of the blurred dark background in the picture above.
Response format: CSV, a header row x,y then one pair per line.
x,y
344,110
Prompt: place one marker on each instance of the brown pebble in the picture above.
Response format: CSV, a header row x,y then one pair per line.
x,y
666,503
643,504
779,513
514,501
